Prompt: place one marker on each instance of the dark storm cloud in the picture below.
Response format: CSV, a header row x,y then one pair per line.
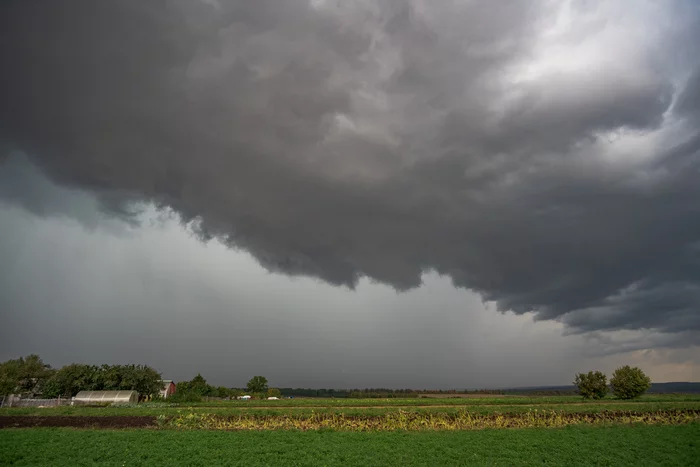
x,y
688,102
22,183
381,139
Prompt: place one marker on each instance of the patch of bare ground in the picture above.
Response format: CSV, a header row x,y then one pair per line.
x,y
33,421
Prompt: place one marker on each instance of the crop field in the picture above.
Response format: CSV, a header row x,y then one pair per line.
x,y
425,402
637,407
470,431
572,446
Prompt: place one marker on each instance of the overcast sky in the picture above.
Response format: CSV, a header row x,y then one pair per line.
x,y
392,193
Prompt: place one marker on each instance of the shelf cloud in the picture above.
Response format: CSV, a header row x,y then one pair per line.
x,y
545,155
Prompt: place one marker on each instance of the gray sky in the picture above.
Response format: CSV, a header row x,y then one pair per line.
x,y
349,194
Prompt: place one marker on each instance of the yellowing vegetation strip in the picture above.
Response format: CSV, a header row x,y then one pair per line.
x,y
413,421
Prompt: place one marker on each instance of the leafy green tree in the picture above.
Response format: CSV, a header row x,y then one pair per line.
x,y
198,385
76,377
73,378
141,378
592,385
194,390
25,375
274,392
198,381
257,384
9,376
628,382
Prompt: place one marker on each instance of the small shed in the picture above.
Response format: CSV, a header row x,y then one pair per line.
x,y
106,397
168,388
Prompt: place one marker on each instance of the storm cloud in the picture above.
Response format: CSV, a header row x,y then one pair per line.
x,y
545,155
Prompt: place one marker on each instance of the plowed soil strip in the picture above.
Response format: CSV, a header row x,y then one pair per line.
x,y
32,421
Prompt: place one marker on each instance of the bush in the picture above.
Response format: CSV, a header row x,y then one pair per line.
x,y
591,385
628,382
184,396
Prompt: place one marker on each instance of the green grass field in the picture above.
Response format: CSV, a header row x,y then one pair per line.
x,y
577,445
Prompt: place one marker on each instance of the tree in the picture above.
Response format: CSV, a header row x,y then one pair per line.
x,y
198,386
274,392
25,375
592,385
76,377
257,384
71,379
629,383
9,376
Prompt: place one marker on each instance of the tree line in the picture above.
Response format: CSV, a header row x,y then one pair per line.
x,y
30,376
197,389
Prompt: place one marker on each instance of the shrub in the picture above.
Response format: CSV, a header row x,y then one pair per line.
x,y
628,382
184,396
591,385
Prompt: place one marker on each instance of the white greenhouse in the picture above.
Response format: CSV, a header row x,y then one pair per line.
x,y
106,397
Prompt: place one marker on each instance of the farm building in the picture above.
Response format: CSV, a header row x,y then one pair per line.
x,y
168,388
103,397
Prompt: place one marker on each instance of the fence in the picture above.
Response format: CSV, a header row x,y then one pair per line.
x,y
14,401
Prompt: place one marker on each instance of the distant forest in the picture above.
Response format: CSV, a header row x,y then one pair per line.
x,y
656,388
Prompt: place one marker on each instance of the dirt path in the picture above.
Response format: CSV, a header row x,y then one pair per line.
x,y
33,421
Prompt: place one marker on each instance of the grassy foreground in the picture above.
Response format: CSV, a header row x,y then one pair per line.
x,y
574,445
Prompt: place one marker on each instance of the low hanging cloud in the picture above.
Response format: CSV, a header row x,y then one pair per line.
x,y
543,154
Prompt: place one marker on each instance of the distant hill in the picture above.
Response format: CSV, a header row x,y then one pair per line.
x,y
656,388
668,388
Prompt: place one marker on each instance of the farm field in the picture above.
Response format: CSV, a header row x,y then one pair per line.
x,y
441,401
662,430
574,445
153,411
426,402
569,404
